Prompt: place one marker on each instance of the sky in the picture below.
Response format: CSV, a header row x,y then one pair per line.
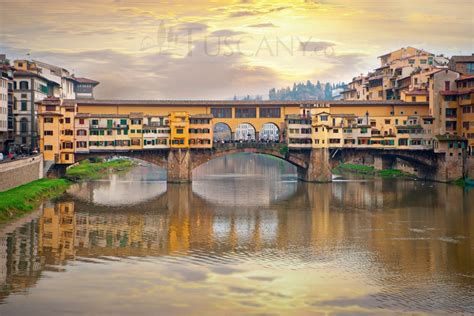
x,y
196,49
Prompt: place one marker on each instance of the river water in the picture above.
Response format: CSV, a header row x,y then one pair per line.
x,y
244,239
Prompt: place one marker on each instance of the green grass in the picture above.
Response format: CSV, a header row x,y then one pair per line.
x,y
357,168
95,170
371,171
17,202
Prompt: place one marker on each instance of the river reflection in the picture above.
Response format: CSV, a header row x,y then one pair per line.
x,y
259,244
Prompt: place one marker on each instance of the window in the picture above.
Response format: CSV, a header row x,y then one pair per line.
x,y
48,147
50,108
221,112
81,144
95,122
81,121
324,117
136,122
23,125
446,85
81,132
270,112
179,131
48,133
470,68
48,120
24,106
24,85
123,122
68,120
387,121
245,112
413,99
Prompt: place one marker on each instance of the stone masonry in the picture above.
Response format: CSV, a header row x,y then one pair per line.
x,y
21,171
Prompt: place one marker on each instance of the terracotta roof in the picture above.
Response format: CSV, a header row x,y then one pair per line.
x,y
417,92
463,59
136,115
465,77
106,115
85,102
50,114
449,92
83,115
85,80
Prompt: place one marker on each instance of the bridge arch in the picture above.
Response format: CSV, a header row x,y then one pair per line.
x,y
299,161
245,131
269,131
222,132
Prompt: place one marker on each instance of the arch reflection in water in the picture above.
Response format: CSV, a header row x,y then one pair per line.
x,y
142,183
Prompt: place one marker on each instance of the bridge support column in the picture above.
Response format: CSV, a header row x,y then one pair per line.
x,y
179,166
383,162
319,167
451,167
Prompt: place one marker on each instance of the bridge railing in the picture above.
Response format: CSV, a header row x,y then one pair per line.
x,y
249,144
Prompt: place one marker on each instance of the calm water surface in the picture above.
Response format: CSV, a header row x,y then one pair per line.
x,y
244,239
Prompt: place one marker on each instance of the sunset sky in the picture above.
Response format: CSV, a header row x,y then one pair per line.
x,y
217,49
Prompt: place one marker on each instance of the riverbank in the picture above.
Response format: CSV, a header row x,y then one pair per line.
x,y
21,200
371,172
88,170
17,202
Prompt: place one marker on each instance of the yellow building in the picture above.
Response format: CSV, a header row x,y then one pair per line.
x,y
201,131
179,129
56,125
465,86
298,131
414,96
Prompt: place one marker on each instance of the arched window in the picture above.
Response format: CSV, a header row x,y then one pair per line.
x,y
23,125
24,85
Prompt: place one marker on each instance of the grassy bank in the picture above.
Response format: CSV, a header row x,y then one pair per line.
x,y
88,170
371,171
17,202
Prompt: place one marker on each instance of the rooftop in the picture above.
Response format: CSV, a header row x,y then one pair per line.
x,y
85,102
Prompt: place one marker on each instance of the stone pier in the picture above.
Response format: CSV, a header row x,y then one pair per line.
x,y
179,167
383,162
319,167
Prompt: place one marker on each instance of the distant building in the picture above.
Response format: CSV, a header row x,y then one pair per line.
x,y
462,64
84,88
33,82
29,87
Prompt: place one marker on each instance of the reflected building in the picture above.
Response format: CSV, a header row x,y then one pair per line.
x,y
379,228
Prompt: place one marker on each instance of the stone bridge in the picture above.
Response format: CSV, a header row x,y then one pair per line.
x,y
313,165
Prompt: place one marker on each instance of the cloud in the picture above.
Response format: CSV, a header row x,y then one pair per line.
x,y
262,25
226,33
199,75
247,12
315,46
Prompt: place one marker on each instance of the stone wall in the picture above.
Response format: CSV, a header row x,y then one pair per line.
x,y
21,171
470,167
